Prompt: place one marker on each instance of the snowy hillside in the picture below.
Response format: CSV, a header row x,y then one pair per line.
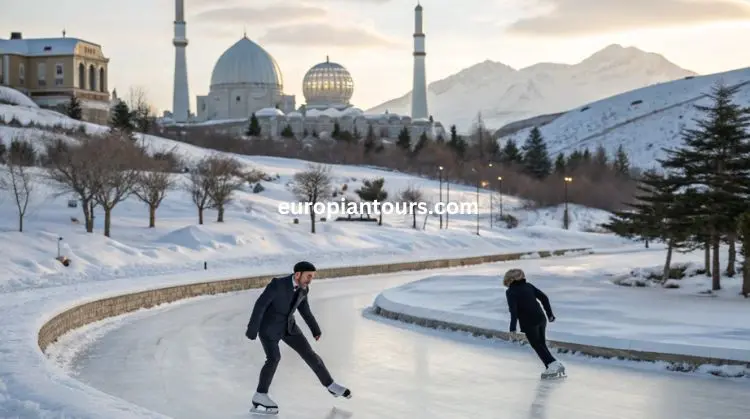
x,y
10,96
254,230
503,94
643,121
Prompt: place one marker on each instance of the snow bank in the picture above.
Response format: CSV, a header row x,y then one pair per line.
x,y
11,96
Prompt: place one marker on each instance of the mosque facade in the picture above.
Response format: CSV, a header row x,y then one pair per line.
x,y
247,81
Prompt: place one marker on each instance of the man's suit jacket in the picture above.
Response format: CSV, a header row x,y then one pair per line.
x,y
273,314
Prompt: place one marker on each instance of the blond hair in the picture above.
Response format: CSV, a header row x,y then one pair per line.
x,y
513,275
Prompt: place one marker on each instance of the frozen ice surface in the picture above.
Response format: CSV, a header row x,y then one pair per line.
x,y
193,361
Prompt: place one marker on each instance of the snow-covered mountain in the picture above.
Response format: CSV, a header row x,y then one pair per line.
x,y
503,94
644,121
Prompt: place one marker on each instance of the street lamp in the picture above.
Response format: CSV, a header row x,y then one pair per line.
x,y
566,223
440,174
500,180
484,185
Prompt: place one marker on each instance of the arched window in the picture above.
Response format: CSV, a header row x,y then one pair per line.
x,y
81,76
102,84
92,78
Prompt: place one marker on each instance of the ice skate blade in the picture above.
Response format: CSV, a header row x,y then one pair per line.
x,y
556,376
266,411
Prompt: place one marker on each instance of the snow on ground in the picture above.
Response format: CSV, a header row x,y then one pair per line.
x,y
589,307
254,229
14,97
643,121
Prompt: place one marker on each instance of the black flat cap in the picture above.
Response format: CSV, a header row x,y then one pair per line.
x,y
304,267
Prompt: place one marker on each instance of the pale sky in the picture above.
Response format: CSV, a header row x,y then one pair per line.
x,y
373,38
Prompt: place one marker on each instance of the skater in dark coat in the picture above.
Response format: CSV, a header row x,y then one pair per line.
x,y
273,320
523,304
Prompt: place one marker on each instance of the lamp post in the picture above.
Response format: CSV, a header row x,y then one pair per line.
x,y
440,176
59,239
566,223
447,198
484,185
500,187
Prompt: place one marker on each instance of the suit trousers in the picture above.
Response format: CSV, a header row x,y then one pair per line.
x,y
538,340
299,343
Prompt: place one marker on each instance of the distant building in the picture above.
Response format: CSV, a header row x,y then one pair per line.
x,y
52,70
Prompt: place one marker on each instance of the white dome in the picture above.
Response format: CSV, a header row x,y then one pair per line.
x,y
246,62
268,112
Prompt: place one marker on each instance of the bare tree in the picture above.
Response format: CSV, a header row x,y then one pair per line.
x,y
224,175
152,185
119,175
312,186
199,186
412,196
141,109
76,170
18,179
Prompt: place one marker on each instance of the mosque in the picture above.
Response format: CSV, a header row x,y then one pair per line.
x,y
246,80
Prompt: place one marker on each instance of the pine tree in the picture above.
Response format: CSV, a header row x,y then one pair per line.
x,y
621,164
744,229
122,118
536,160
575,160
560,164
715,161
287,132
74,109
336,134
656,214
421,143
586,157
404,139
511,153
370,140
372,191
253,130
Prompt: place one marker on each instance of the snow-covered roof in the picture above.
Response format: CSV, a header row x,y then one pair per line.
x,y
294,115
269,112
41,46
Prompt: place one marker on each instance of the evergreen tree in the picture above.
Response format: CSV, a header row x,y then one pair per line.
x,y
586,157
621,164
511,153
122,118
404,139
715,161
421,143
600,158
370,140
287,132
560,164
74,109
253,130
655,215
305,133
336,134
372,191
536,160
575,160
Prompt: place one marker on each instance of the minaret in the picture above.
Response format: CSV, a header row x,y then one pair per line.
x,y
180,95
419,90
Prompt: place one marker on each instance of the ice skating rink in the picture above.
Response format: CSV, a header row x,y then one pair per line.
x,y
192,361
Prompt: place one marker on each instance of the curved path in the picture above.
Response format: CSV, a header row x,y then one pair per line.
x,y
193,361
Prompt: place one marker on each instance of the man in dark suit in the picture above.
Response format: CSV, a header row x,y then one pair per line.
x,y
273,320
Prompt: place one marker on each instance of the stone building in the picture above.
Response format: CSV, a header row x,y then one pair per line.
x,y
52,70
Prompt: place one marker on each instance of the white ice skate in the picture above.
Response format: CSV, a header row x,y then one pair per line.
x,y
263,405
339,391
554,370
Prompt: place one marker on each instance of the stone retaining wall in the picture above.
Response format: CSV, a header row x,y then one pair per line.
x,y
110,307
677,361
